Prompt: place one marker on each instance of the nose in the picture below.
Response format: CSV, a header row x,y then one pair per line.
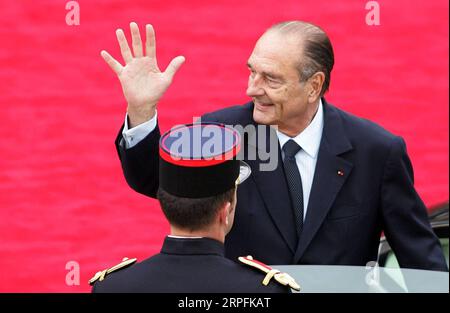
x,y
254,88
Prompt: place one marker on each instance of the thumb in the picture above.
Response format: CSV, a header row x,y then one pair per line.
x,y
174,66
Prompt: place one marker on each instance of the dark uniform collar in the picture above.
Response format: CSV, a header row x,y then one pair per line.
x,y
192,246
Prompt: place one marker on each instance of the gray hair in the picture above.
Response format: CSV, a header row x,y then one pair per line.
x,y
318,53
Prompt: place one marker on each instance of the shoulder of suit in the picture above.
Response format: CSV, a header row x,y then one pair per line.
x,y
271,273
100,275
364,126
233,115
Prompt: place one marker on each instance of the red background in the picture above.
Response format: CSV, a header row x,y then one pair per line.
x,y
62,194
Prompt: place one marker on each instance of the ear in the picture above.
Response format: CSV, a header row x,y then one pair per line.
x,y
315,82
224,212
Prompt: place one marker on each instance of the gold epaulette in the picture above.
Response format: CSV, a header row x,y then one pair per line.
x,y
282,278
101,275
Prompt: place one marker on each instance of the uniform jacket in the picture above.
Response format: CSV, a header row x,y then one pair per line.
x,y
188,266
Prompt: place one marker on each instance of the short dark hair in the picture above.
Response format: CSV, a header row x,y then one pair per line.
x,y
318,55
192,213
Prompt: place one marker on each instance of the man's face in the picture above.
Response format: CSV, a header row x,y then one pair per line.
x,y
274,82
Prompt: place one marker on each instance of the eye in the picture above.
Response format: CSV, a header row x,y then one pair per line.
x,y
272,82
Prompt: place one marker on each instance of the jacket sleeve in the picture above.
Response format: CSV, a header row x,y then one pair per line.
x,y
404,215
140,164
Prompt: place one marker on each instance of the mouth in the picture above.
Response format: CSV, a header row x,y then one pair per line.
x,y
262,106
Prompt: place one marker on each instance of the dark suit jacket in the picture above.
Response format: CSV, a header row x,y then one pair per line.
x,y
346,213
188,265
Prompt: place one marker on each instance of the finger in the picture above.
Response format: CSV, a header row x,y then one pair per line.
x,y
124,48
150,42
174,66
136,40
113,64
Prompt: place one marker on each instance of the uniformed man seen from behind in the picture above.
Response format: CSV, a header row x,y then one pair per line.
x,y
198,177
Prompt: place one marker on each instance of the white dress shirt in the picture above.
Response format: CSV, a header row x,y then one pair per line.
x,y
133,136
306,158
309,140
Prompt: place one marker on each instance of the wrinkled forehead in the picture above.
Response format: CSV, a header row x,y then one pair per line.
x,y
281,51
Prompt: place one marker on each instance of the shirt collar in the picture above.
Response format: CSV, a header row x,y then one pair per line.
x,y
183,237
309,138
192,246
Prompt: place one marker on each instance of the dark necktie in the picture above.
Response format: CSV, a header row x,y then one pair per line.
x,y
294,181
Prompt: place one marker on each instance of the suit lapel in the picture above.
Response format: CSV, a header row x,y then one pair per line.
x,y
330,175
327,181
272,185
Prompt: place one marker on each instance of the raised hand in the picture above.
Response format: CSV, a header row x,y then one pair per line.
x,y
142,81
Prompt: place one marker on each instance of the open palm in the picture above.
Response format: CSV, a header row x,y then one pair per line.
x,y
142,81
